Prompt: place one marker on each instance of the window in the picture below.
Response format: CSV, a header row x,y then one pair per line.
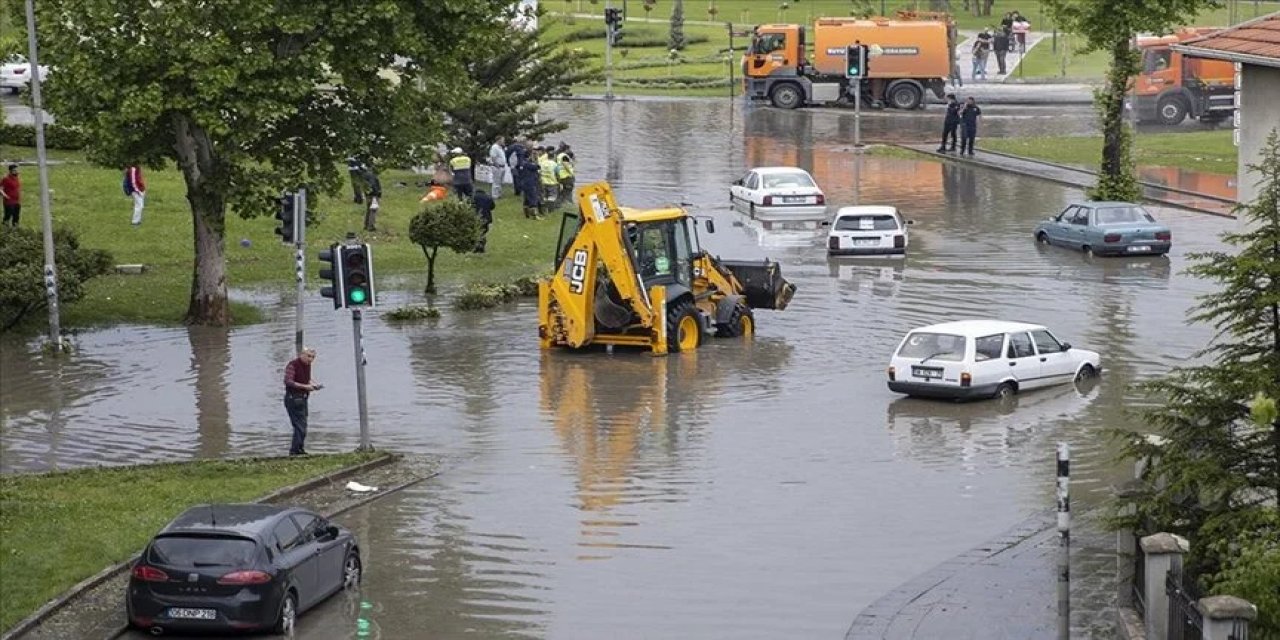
x,y
988,347
1067,214
1080,216
308,524
1123,215
933,346
201,551
287,534
867,223
1045,342
782,180
753,180
1156,60
1020,346
768,43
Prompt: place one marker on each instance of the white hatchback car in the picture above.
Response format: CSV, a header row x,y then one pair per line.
x,y
867,231
779,193
985,359
15,73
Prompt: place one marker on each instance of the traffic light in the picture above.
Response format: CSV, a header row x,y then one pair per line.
x,y
613,25
288,220
357,275
855,60
333,290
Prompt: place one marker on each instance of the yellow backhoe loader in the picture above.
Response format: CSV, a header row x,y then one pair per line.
x,y
638,278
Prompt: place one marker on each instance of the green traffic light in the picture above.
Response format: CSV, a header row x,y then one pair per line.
x,y
358,296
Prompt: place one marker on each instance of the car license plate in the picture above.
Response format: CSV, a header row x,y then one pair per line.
x,y
865,242
926,372
193,614
1138,248
794,200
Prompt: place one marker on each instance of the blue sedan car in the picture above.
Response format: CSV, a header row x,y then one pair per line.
x,y
1106,228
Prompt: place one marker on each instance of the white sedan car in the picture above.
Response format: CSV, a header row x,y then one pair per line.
x,y
779,193
867,231
15,73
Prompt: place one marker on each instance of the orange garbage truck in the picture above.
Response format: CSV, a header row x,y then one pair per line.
x,y
1172,87
907,58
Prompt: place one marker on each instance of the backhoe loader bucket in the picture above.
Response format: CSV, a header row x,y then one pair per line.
x,y
762,283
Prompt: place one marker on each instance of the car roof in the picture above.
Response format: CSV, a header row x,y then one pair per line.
x,y
977,328
242,519
1102,204
763,170
864,210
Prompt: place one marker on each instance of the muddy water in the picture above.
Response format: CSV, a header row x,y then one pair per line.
x,y
769,488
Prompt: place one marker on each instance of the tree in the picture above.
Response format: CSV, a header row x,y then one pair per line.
x,y
1110,25
450,223
676,37
22,271
506,82
1216,476
249,98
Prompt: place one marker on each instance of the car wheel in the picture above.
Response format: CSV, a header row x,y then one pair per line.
x,y
288,618
906,97
751,207
1042,238
352,571
1086,372
1088,251
787,96
1005,391
1172,110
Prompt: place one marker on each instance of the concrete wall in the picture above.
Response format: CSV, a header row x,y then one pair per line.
x,y
1259,114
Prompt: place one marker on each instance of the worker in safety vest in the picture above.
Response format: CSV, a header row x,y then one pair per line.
x,y
463,181
435,191
548,176
564,156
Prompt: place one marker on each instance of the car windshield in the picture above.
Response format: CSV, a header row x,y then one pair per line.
x,y
201,551
933,346
866,223
1123,215
784,180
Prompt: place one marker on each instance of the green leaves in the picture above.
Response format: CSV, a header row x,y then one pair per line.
x,y
22,271
449,223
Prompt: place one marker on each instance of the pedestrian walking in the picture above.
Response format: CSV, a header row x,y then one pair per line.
x,y
355,169
1021,26
950,124
1006,23
135,187
1000,44
372,189
463,179
969,124
11,195
483,204
298,386
981,49
564,158
530,188
497,167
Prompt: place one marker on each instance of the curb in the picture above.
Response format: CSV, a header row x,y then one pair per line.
x,y
39,615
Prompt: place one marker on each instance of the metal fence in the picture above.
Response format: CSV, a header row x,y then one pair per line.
x,y
1239,630
1185,621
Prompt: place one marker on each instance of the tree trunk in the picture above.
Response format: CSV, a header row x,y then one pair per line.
x,y
1116,179
431,269
208,305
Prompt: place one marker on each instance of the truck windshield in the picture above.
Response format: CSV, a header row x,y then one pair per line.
x,y
1156,60
767,43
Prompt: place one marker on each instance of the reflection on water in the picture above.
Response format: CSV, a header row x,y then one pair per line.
x,y
762,488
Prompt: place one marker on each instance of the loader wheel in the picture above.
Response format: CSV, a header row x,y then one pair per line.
x,y
742,322
684,332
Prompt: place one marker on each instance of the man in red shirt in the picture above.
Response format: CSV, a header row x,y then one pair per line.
x,y
11,194
135,187
297,387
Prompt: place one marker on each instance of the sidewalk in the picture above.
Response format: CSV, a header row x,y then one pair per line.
x,y
964,58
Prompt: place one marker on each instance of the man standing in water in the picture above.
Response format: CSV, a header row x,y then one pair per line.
x,y
297,387
950,124
969,125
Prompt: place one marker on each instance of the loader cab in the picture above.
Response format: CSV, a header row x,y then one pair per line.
x,y
664,243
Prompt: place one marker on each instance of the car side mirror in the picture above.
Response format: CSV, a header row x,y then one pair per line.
x,y
825,223
711,225
911,222
330,532
737,183
1066,346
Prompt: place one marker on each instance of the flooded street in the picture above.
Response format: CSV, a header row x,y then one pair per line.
x,y
760,489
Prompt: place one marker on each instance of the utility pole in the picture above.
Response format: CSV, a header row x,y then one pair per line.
x,y
358,333
608,52
300,245
37,110
1064,542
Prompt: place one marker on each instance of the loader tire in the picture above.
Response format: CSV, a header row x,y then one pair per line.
x,y
742,322
684,331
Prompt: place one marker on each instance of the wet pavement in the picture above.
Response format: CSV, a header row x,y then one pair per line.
x,y
760,489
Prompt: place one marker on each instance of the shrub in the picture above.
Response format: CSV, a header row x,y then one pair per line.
x,y
411,313
488,295
55,136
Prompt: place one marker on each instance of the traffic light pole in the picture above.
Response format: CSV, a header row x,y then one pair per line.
x,y
358,333
857,113
608,54
37,112
300,247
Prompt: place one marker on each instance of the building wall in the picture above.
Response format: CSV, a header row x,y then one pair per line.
x,y
1259,114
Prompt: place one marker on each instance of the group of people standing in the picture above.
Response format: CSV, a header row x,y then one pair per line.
x,y
963,118
543,176
1011,36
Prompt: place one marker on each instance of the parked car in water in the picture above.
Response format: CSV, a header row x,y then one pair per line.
x,y
1106,228
985,359
867,231
239,567
779,193
15,73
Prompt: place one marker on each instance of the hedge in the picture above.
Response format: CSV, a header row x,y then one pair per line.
x,y
55,136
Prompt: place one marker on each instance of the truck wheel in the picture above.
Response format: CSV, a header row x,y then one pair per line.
x,y
684,332
905,96
786,96
1171,110
742,322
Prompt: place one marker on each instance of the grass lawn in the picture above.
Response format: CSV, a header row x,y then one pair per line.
x,y
89,199
1043,62
57,529
1209,151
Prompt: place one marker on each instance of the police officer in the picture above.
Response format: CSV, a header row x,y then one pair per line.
x,y
969,124
950,123
463,181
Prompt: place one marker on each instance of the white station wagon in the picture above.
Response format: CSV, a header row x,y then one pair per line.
x,y
985,359
867,231
779,193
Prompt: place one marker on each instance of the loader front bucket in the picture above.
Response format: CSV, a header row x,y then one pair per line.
x,y
762,283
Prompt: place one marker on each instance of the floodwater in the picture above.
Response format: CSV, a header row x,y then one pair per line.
x,y
755,489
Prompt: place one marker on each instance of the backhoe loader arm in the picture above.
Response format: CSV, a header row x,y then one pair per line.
x,y
599,246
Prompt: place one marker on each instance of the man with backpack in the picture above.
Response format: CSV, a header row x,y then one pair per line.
x,y
135,187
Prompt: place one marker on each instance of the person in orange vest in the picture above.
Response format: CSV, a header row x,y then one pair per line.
x,y
435,191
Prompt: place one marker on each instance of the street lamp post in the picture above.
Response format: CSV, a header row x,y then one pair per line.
x,y
37,109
